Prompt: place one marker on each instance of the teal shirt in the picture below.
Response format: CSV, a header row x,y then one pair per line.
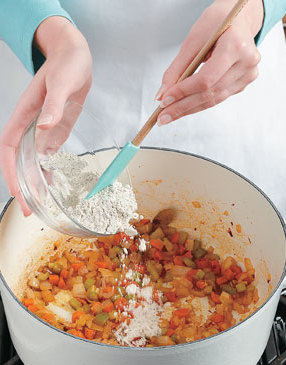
x,y
19,20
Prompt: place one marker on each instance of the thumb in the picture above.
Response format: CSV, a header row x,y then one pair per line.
x,y
52,110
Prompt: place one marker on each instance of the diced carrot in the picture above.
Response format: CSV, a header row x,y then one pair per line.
x,y
236,269
118,237
77,265
178,261
171,296
64,274
221,280
215,298
102,264
120,303
76,315
76,333
108,289
157,244
196,204
61,283
158,255
238,228
33,308
134,248
175,238
28,301
170,332
229,274
54,279
108,307
182,312
217,318
89,333
48,317
201,284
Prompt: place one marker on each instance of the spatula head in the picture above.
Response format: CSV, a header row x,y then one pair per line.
x,y
115,168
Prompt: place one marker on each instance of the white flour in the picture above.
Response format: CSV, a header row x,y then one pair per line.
x,y
108,212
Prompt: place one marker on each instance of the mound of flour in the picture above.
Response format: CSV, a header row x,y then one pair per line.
x,y
71,178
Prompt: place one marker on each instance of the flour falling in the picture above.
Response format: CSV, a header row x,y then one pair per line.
x,y
108,212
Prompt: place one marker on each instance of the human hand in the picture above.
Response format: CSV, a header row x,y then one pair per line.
x,y
228,69
66,75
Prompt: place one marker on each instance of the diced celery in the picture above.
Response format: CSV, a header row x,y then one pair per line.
x,y
75,304
199,253
92,293
228,288
200,274
88,283
43,276
240,287
189,262
101,318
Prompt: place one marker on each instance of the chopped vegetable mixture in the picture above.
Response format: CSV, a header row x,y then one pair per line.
x,y
143,290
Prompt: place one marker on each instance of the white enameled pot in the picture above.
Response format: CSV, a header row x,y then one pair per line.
x,y
161,178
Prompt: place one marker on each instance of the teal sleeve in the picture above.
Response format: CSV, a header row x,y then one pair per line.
x,y
274,10
19,20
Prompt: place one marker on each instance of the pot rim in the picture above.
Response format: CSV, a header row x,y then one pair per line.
x,y
177,345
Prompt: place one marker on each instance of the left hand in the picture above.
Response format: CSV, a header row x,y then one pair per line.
x,y
231,66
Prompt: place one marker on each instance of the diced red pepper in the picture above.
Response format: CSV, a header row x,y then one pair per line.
x,y
215,266
201,284
158,256
182,312
170,332
188,254
171,296
229,274
175,238
217,318
215,298
221,280
236,269
178,261
202,263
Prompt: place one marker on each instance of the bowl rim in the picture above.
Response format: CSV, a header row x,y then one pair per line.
x,y
177,346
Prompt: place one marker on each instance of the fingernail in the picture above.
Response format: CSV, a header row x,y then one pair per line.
x,y
167,101
45,119
160,92
164,119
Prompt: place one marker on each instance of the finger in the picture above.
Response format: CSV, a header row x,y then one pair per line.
x,y
221,60
53,107
212,97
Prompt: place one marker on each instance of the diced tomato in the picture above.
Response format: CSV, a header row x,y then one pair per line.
x,y
175,238
170,332
158,255
33,308
76,333
229,274
236,269
215,266
120,303
28,301
202,263
178,261
191,274
171,296
217,318
182,312
89,333
221,280
201,284
215,298
157,244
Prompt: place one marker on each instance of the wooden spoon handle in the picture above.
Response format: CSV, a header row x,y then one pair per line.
x,y
193,66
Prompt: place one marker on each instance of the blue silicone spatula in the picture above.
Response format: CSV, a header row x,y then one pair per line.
x,y
131,148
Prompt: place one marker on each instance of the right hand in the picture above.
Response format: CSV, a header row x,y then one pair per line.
x,y
66,75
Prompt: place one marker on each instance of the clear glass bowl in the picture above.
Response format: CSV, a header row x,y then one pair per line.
x,y
37,144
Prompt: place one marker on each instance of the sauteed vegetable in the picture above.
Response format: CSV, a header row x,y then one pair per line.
x,y
158,288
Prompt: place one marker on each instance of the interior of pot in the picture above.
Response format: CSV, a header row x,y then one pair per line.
x,y
165,179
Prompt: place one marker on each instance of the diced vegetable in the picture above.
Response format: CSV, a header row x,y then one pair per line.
x,y
189,262
199,253
75,304
43,276
101,318
88,283
157,244
229,289
240,287
165,217
92,293
157,234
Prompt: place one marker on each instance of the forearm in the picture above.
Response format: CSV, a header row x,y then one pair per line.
x,y
19,20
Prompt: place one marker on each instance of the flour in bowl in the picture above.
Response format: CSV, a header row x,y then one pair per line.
x,y
107,212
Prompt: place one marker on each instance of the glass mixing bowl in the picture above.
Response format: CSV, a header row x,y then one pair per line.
x,y
37,145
